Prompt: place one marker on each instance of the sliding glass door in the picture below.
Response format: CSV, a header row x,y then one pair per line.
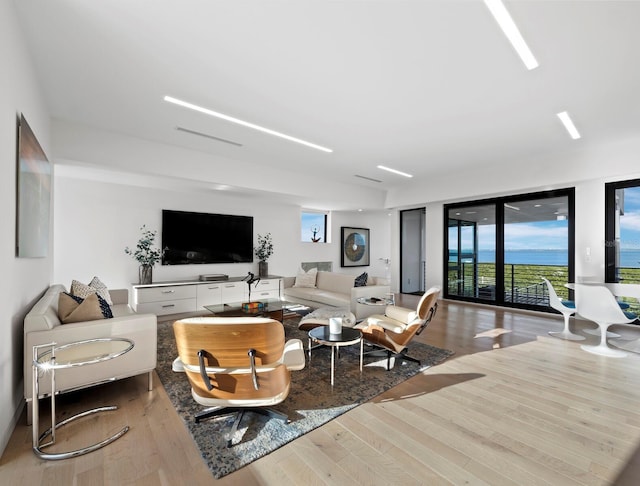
x,y
622,223
498,250
536,245
471,263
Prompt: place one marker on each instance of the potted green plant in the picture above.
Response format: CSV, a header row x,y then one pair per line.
x,y
263,251
145,254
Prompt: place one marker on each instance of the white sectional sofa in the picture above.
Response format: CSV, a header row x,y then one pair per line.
x,y
42,326
337,290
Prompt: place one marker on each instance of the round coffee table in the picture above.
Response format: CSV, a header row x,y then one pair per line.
x,y
347,337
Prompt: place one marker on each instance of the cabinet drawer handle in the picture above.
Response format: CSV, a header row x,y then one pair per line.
x,y
168,305
168,291
230,286
213,288
264,293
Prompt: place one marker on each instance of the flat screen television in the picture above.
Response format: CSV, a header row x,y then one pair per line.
x,y
194,238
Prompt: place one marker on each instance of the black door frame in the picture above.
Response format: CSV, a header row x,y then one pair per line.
x,y
499,263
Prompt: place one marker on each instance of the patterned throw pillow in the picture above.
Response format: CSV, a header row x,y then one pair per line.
x,y
102,289
306,279
72,308
95,287
361,280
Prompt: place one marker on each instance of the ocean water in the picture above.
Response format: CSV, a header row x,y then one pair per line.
x,y
628,258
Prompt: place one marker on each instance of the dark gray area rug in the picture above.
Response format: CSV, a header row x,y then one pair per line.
x,y
311,403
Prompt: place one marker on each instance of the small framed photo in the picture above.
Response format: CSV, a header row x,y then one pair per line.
x,y
355,247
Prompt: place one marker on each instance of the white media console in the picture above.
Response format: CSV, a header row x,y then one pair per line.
x,y
178,297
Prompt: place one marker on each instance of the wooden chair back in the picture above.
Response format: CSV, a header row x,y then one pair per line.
x,y
225,345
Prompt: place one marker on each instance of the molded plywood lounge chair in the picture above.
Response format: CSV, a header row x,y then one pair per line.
x,y
236,364
394,330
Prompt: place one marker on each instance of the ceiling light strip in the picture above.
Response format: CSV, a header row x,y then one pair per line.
x,y
568,124
206,135
394,171
510,29
367,178
237,121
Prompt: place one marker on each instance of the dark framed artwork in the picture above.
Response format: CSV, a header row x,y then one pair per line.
x,y
355,247
34,195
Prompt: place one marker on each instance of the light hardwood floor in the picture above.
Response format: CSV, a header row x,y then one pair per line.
x,y
513,406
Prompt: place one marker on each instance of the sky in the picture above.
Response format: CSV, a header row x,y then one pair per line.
x,y
309,221
544,235
630,221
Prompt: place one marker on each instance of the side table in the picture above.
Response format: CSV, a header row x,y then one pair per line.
x,y
65,356
347,337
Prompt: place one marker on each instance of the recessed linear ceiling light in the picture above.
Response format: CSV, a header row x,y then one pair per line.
x,y
367,178
237,121
394,171
206,135
514,208
568,124
510,29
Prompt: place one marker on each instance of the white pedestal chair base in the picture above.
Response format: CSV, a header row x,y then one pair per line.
x,y
604,351
603,348
596,332
566,334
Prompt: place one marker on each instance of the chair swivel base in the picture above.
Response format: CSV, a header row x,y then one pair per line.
x,y
402,355
239,411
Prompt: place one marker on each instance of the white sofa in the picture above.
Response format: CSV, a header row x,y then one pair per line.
x,y
337,290
42,326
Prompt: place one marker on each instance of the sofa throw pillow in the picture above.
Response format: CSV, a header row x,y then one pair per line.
x,y
95,287
361,280
101,289
72,308
306,279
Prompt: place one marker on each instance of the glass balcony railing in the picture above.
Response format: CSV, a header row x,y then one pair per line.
x,y
523,283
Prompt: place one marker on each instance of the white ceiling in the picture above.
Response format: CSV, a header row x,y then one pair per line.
x,y
421,86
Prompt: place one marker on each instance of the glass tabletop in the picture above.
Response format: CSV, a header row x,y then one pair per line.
x,y
81,353
374,301
266,305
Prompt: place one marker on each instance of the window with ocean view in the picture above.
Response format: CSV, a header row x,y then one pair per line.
x,y
622,224
499,250
313,226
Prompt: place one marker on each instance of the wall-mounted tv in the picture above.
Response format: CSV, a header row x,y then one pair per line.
x,y
193,238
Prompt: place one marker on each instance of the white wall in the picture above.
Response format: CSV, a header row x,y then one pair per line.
x,y
23,279
96,220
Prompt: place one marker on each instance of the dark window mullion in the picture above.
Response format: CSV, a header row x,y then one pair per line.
x,y
500,253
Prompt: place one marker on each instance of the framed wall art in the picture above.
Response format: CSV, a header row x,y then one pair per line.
x,y
34,195
355,247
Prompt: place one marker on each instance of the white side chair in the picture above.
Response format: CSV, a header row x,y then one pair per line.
x,y
596,303
567,308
